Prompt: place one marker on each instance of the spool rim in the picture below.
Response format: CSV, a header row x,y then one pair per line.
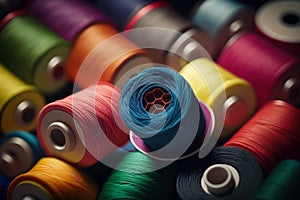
x,y
236,111
25,112
291,88
62,136
56,68
30,189
228,185
16,157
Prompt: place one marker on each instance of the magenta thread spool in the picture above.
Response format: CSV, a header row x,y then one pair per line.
x,y
273,72
66,18
279,22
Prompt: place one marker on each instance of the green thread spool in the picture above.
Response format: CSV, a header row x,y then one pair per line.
x,y
282,183
33,52
134,179
20,103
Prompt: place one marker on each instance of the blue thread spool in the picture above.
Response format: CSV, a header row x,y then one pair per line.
x,y
159,106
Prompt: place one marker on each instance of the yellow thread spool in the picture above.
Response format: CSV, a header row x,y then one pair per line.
x,y
231,98
52,178
20,103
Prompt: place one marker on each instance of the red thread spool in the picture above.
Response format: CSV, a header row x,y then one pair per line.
x,y
100,53
273,72
84,127
271,135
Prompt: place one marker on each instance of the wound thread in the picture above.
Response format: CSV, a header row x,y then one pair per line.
x,y
64,182
267,68
67,18
100,53
271,135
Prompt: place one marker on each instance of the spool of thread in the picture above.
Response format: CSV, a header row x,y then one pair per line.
x,y
33,52
120,17
279,21
101,54
165,27
19,151
19,103
67,18
273,72
231,98
271,135
222,19
161,26
281,183
4,183
159,106
7,6
84,127
223,174
52,178
137,178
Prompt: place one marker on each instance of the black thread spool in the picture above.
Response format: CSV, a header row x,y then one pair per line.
x,y
191,183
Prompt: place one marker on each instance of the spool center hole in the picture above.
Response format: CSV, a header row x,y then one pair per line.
x,y
156,100
291,19
58,138
28,115
58,71
217,176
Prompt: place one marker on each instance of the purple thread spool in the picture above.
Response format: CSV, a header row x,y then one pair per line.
x,y
67,18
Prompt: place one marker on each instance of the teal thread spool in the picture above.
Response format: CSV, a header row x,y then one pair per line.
x,y
19,151
33,52
282,183
135,180
222,19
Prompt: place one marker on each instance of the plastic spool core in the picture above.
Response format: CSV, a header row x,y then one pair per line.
x,y
29,197
29,190
236,26
291,19
25,112
156,100
61,136
236,111
292,88
219,179
56,68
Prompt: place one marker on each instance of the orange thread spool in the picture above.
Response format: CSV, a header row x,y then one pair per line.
x,y
100,53
52,178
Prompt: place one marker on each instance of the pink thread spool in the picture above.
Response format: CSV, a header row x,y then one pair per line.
x,y
84,127
274,73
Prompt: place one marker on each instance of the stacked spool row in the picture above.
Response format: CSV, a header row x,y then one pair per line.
x,y
69,127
